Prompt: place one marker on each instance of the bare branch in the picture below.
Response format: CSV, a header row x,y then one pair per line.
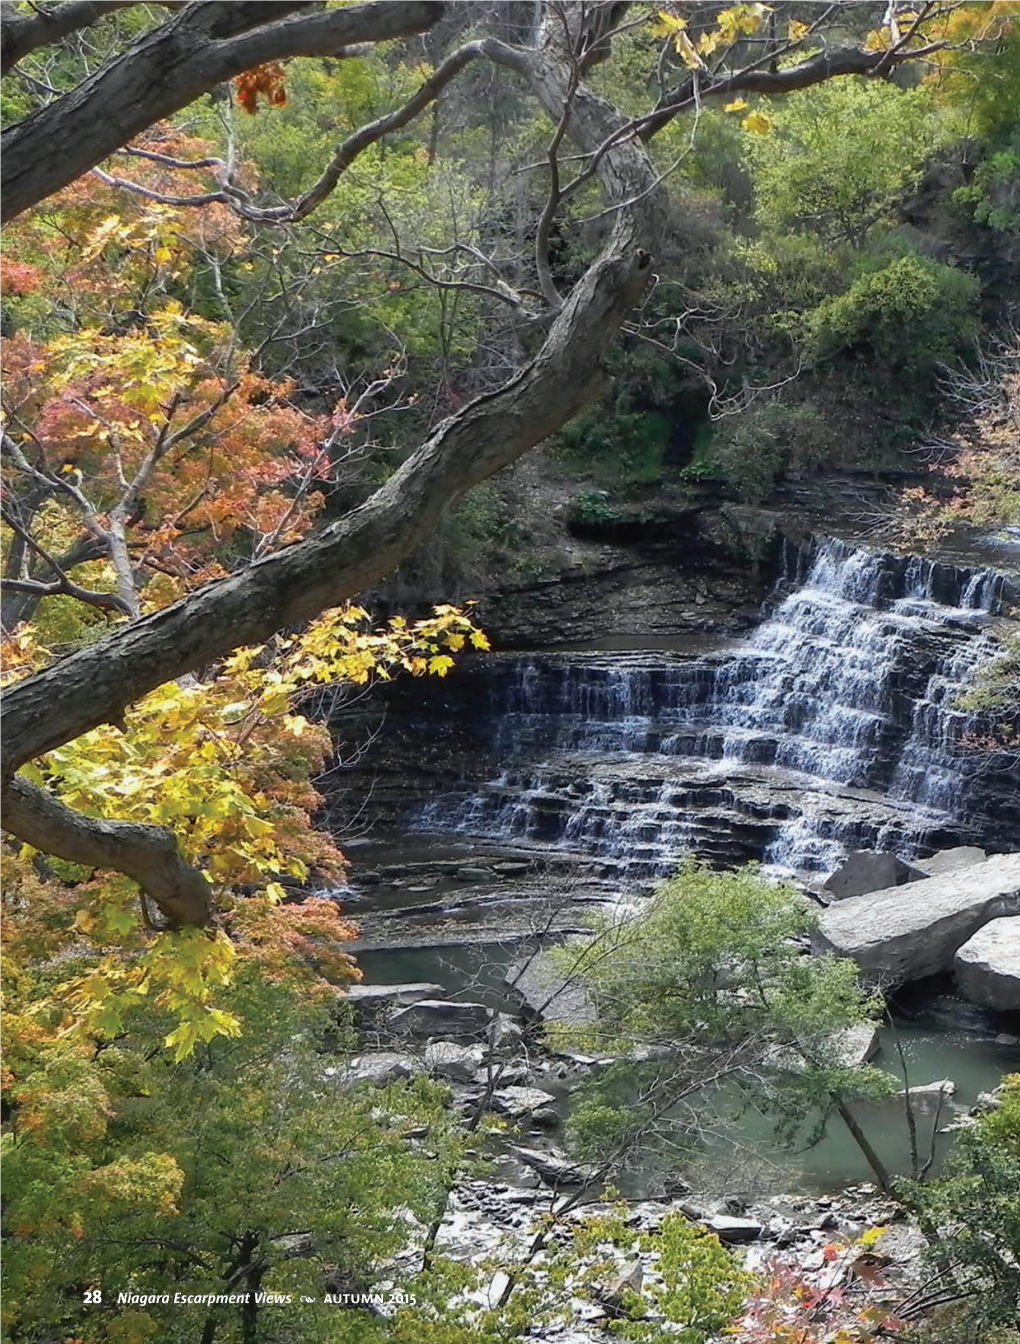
x,y
61,584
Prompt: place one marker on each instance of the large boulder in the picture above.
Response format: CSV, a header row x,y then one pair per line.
x,y
948,860
854,1046
555,1168
908,932
547,992
442,1018
987,966
452,1062
865,871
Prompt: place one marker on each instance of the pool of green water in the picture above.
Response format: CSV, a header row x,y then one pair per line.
x,y
940,1037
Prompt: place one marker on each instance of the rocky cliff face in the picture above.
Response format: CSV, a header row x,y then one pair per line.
x,y
832,726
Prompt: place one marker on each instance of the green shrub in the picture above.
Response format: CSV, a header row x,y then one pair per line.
x,y
993,193
618,445
754,450
591,508
906,317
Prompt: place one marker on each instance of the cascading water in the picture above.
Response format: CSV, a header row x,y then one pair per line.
x,y
834,726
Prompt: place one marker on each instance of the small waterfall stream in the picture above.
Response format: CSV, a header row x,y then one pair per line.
x,y
832,727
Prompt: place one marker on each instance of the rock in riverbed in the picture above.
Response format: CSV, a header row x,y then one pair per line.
x,y
987,966
443,1018
906,933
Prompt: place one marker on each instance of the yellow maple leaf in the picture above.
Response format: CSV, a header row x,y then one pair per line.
x,y
667,25
798,29
737,105
757,123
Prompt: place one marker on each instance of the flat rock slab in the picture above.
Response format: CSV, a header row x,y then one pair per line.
x,y
517,1102
911,931
734,1229
948,860
987,966
369,1001
442,1018
865,871
547,991
554,1167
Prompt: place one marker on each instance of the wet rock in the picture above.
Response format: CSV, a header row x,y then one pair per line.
x,y
948,860
733,1230
864,871
547,991
930,1094
906,933
474,875
456,1063
546,1117
370,1002
442,1018
379,1069
554,1167
986,1101
987,966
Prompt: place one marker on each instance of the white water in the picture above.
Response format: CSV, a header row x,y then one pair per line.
x,y
834,726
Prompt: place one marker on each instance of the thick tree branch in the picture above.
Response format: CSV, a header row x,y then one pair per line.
x,y
94,685
147,854
21,34
825,65
169,67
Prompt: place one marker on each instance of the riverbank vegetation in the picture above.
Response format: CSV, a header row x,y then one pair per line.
x,y
287,291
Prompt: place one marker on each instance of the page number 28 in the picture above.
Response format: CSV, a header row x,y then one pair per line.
x,y
93,1295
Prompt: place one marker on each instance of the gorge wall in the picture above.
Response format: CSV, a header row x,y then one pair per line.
x,y
830,725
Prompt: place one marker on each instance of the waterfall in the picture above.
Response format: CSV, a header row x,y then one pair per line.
x,y
833,726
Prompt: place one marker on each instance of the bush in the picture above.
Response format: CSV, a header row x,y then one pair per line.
x,y
907,317
754,450
591,508
618,445
976,1206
